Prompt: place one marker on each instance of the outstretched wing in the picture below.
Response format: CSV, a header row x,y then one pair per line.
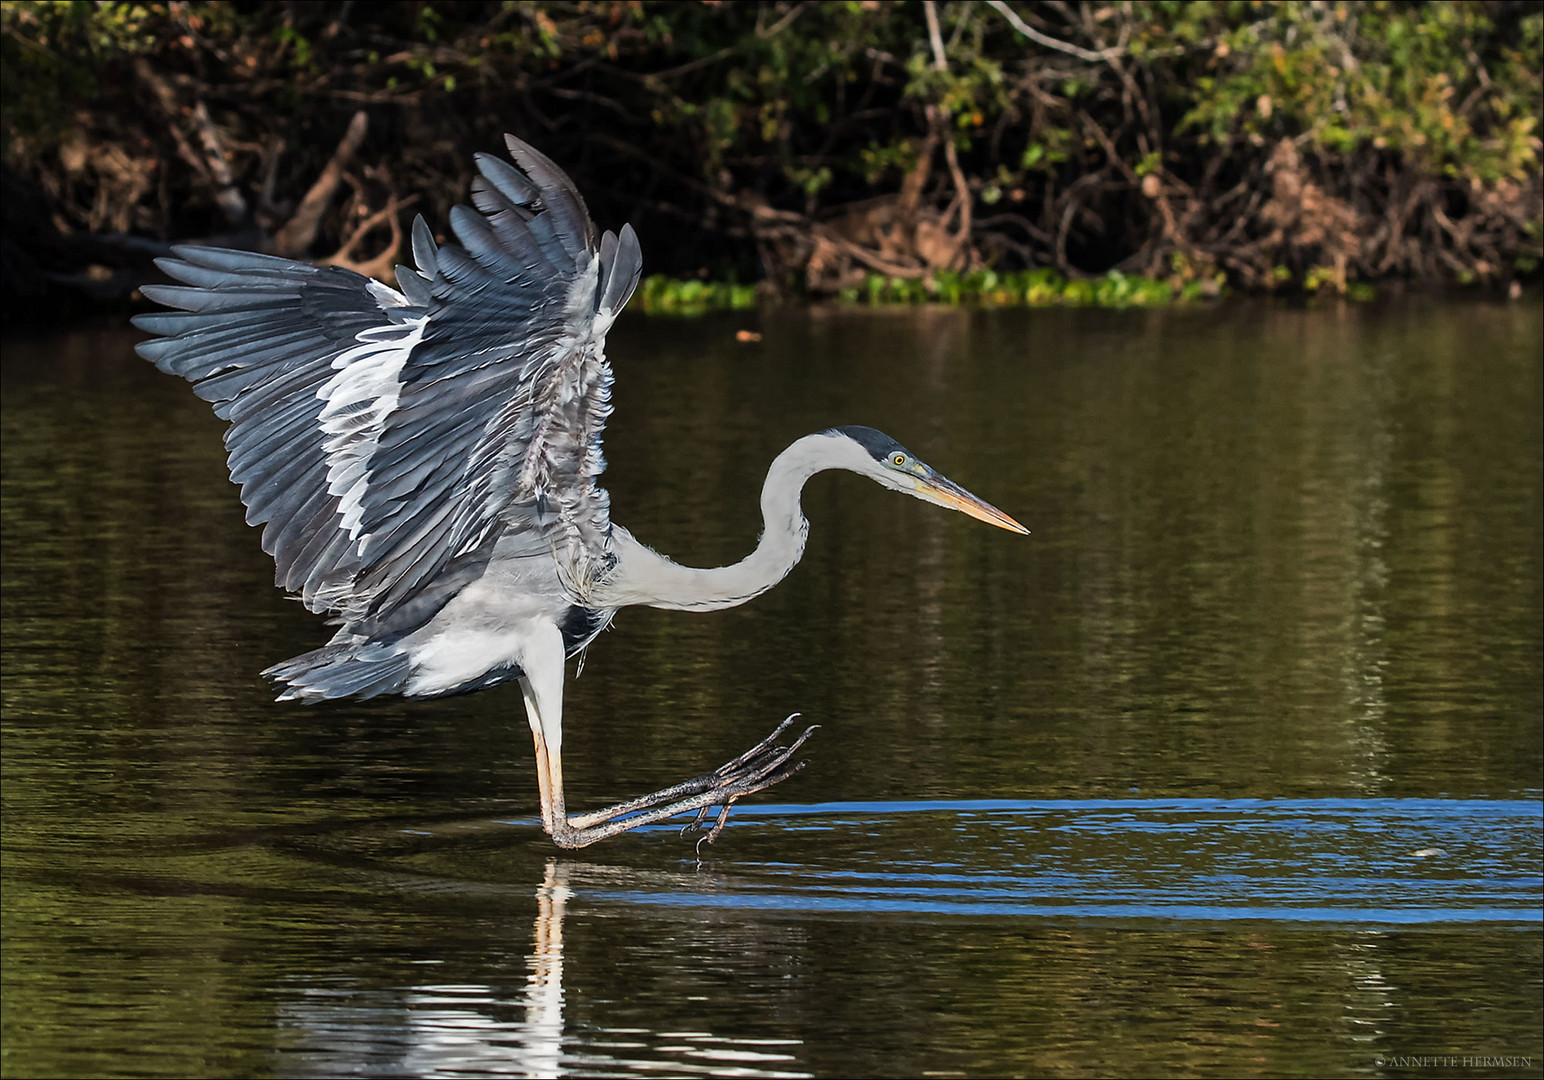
x,y
386,436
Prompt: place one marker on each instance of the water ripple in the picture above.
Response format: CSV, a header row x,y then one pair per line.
x,y
1396,861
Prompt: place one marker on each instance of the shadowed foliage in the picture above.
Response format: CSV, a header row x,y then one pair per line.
x,y
826,148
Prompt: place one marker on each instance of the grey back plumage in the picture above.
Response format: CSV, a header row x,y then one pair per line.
x,y
387,438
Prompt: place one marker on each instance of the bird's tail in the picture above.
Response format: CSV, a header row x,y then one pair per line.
x,y
342,670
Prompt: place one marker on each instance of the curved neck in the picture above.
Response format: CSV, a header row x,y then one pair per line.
x,y
646,577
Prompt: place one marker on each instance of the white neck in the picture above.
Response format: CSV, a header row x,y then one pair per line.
x,y
643,576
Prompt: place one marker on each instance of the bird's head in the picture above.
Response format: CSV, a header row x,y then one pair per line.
x,y
891,465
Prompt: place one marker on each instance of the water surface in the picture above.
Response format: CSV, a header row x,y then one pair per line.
x,y
1231,767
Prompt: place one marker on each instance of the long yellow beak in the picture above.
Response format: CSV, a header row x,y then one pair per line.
x,y
945,492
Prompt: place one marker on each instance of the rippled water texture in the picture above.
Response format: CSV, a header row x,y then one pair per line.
x,y
1232,767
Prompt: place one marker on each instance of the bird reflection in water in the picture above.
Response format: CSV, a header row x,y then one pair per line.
x,y
492,1026
544,983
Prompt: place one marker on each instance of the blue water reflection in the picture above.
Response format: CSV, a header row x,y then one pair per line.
x,y
1356,861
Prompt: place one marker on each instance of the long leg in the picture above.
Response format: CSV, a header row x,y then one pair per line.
x,y
541,656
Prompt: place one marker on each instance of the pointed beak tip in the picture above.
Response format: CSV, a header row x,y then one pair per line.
x,y
947,493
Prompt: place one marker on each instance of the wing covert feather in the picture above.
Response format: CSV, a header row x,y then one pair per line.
x,y
384,438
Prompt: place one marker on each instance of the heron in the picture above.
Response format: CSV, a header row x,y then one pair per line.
x,y
424,461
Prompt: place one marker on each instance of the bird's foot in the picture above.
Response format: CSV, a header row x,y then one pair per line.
x,y
759,768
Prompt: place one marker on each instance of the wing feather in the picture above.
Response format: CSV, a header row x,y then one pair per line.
x,y
384,437
257,336
570,219
497,175
425,251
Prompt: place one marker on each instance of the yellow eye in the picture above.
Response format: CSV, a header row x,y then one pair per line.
x,y
898,460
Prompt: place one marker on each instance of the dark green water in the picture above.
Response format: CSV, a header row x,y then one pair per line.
x,y
1232,767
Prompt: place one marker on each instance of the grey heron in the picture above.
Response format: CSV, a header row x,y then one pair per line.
x,y
423,461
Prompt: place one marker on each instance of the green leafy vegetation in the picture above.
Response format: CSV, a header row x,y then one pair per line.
x,y
1044,287
663,295
1132,151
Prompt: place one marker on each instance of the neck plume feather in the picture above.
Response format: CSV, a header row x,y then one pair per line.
x,y
644,576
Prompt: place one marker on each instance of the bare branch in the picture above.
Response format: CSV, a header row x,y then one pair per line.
x,y
226,194
382,265
1001,7
212,165
781,24
298,234
940,61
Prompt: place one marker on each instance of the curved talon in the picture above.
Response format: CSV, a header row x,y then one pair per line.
x,y
755,764
723,817
730,767
696,822
695,825
723,814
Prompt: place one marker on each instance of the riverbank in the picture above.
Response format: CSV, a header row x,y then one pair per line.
x,y
858,152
